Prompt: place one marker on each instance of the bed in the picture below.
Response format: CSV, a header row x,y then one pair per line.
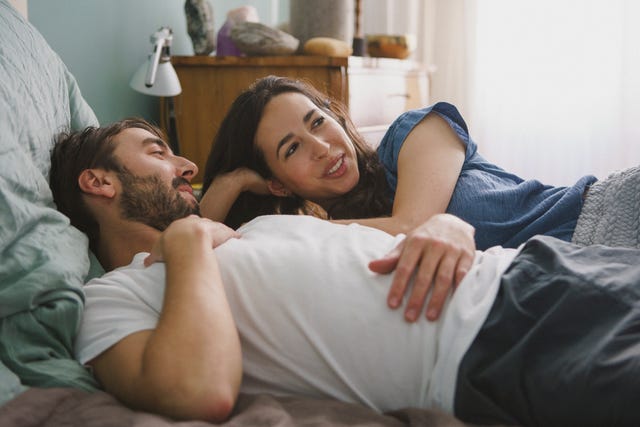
x,y
45,261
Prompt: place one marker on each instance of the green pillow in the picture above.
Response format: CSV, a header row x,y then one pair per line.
x,y
44,259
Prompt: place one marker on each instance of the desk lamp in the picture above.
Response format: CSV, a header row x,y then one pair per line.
x,y
157,77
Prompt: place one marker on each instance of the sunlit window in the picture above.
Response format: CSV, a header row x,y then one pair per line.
x,y
555,84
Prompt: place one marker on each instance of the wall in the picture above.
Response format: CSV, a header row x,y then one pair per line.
x,y
20,6
104,42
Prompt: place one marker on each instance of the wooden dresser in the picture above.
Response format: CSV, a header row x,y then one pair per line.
x,y
376,90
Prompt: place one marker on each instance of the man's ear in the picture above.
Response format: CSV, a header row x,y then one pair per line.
x,y
97,182
277,188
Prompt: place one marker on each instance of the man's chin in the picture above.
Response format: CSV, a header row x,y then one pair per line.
x,y
150,201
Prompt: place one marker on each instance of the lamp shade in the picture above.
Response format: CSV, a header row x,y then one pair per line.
x,y
166,81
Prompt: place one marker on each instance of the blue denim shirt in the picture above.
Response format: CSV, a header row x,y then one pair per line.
x,y
505,209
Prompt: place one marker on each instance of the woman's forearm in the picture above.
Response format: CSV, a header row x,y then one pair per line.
x,y
220,197
391,225
225,190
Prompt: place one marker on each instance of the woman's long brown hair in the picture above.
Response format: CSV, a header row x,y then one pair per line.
x,y
234,146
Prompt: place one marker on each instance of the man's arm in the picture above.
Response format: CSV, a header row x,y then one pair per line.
x,y
190,366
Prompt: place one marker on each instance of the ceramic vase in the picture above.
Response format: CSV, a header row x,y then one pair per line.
x,y
324,18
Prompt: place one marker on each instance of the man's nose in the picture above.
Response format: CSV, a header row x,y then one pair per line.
x,y
186,168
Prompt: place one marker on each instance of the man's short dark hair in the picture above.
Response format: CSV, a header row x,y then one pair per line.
x,y
74,152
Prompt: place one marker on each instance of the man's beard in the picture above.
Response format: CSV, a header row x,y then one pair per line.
x,y
148,200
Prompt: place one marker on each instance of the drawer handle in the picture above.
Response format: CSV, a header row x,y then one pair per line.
x,y
399,95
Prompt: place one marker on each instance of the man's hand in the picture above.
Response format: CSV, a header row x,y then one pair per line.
x,y
440,252
187,229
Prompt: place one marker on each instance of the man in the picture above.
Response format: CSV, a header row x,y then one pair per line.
x,y
514,344
112,205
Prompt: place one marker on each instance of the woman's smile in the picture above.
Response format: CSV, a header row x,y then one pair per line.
x,y
338,169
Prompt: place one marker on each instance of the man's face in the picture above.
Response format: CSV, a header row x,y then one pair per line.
x,y
156,187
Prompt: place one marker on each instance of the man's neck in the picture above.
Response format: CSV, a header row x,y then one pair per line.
x,y
120,242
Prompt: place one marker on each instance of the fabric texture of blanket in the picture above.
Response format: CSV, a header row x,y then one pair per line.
x,y
611,212
74,408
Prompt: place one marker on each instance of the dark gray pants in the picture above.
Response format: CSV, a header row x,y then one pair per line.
x,y
561,344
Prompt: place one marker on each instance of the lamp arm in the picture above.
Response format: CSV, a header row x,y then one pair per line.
x,y
153,63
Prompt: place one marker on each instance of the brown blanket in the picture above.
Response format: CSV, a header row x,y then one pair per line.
x,y
57,407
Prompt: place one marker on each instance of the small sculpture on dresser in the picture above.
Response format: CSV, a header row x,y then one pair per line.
x,y
256,39
200,26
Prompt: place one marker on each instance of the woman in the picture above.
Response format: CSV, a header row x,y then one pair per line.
x,y
285,148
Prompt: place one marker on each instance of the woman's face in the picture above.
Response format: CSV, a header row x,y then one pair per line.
x,y
307,151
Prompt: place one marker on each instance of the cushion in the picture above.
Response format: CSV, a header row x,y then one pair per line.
x,y
44,259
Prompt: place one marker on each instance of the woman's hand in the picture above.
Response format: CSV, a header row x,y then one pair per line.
x,y
226,188
182,234
440,252
251,181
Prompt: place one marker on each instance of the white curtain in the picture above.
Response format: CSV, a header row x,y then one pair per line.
x,y
550,88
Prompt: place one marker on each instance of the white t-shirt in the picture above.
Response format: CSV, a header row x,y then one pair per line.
x,y
312,317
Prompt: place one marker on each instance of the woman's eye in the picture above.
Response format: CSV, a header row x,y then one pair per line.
x,y
317,122
292,149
